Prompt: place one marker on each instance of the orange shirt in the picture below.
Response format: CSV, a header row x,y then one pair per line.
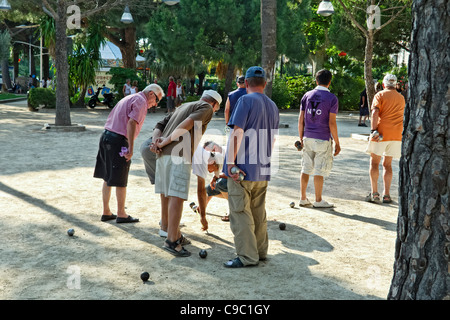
x,y
391,105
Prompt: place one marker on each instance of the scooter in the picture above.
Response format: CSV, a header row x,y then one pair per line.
x,y
108,99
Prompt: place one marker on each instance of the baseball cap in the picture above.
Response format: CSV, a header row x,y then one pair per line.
x,y
255,72
240,79
389,80
213,94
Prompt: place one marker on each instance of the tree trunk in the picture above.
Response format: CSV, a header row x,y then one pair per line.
x,y
6,77
127,45
370,86
269,41
62,71
228,82
422,253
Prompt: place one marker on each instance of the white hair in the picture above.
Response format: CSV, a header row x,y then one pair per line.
x,y
155,88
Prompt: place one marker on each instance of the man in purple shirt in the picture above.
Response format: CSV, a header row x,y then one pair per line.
x,y
317,129
117,144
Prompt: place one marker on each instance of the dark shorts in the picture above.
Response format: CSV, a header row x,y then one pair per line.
x,y
364,111
110,166
221,186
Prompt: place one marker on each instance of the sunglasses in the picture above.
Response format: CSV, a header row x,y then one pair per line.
x,y
156,97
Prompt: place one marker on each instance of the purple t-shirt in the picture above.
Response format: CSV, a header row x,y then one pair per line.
x,y
317,105
133,106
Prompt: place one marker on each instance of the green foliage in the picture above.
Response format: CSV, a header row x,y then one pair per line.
x,y
5,44
41,96
347,89
287,92
401,73
119,78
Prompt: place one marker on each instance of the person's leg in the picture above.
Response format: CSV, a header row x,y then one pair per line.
x,y
175,209
258,207
106,196
318,187
304,178
164,212
374,171
387,174
242,224
121,194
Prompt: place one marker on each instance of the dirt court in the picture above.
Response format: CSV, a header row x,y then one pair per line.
x,y
46,187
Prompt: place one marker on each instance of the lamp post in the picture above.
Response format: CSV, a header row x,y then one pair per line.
x,y
171,2
126,16
325,8
4,5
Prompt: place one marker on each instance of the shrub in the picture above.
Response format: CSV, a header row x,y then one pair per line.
x,y
41,96
287,92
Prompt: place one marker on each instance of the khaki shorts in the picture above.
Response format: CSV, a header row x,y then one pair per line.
x,y
172,177
317,157
385,148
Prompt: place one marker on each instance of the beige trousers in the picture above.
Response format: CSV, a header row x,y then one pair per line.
x,y
248,220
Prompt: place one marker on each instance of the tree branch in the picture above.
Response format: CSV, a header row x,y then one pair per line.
x,y
47,8
390,20
105,6
352,18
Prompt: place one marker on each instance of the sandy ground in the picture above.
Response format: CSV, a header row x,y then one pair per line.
x,y
46,187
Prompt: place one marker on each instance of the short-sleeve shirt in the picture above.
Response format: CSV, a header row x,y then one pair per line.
x,y
200,162
391,105
259,117
234,97
172,89
317,105
199,111
131,107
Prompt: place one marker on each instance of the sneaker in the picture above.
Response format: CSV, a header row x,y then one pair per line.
x,y
323,204
162,233
304,203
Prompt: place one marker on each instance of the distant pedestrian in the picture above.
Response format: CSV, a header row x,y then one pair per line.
x,y
126,90
171,95
363,109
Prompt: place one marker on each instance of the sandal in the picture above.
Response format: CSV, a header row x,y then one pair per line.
x,y
226,218
387,198
373,197
171,248
183,240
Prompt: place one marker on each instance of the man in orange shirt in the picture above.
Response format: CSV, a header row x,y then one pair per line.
x,y
386,136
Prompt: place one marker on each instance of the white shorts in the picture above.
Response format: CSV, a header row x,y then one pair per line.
x,y
317,157
385,148
172,176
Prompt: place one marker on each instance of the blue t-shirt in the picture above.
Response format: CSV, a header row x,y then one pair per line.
x,y
259,117
234,97
317,105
